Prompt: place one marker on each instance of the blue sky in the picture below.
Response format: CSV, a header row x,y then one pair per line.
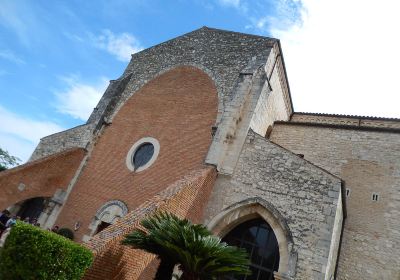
x,y
56,57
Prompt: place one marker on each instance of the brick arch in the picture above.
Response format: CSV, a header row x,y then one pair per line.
x,y
178,108
257,207
197,66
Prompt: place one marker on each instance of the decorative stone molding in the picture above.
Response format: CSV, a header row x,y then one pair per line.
x,y
252,208
133,149
110,212
119,203
21,187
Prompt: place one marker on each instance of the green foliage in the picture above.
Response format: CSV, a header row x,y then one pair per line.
x,y
7,160
200,254
66,232
31,253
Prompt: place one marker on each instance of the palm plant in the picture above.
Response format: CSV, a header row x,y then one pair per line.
x,y
199,254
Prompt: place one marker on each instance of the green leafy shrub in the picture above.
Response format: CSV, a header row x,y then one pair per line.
x,y
31,253
66,232
200,254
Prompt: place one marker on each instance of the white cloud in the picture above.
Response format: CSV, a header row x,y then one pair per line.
x,y
16,146
9,55
79,99
19,135
120,45
23,19
73,37
343,56
9,17
240,5
233,3
260,23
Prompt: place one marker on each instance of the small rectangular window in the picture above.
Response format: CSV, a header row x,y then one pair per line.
x,y
375,196
347,192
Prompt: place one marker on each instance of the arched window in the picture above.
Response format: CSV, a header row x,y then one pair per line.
x,y
259,240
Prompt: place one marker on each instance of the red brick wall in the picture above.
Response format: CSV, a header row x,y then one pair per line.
x,y
41,177
185,198
177,108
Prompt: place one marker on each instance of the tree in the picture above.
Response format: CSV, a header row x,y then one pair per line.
x,y
7,160
199,254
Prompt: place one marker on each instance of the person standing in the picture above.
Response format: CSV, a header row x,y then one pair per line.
x,y
12,221
4,217
55,229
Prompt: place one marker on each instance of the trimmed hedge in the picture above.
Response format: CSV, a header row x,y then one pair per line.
x,y
66,232
31,253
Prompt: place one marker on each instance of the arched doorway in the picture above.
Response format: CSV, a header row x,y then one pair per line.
x,y
31,208
260,242
37,209
107,215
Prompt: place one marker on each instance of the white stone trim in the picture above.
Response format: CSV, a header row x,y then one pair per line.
x,y
249,209
109,212
133,149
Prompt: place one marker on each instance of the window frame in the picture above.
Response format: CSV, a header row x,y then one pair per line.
x,y
135,147
257,223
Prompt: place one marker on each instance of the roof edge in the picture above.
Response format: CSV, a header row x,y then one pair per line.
x,y
285,73
40,160
347,116
328,173
209,29
339,126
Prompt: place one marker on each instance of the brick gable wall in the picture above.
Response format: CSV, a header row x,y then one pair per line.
x,y
178,108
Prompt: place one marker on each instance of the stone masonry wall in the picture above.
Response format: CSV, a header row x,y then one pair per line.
x,y
305,195
259,98
77,137
368,162
220,54
272,104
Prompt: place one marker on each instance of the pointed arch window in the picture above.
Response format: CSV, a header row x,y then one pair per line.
x,y
259,240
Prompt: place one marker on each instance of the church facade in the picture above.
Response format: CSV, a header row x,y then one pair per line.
x,y
203,126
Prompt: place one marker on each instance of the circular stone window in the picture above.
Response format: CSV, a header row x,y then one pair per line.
x,y
142,154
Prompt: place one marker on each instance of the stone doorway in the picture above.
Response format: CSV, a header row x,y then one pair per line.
x,y
32,208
